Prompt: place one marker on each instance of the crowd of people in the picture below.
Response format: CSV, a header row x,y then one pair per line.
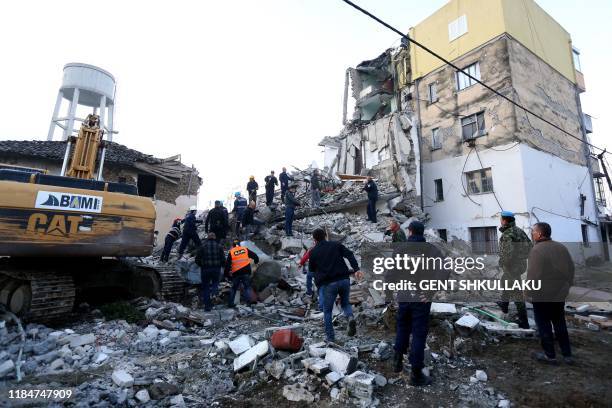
x,y
328,278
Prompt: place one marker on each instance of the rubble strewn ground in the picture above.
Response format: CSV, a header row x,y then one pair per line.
x,y
273,352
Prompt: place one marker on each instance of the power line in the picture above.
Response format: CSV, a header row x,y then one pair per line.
x,y
447,62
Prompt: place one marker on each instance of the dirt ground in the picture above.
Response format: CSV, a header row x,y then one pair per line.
x,y
507,362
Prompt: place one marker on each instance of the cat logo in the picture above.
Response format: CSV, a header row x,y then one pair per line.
x,y
59,224
68,202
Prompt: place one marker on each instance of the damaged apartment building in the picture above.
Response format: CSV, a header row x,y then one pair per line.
x,y
172,185
466,153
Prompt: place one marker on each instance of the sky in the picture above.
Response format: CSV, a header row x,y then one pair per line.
x,y
238,88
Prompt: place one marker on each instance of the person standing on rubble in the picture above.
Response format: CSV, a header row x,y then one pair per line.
x,y
240,205
216,221
210,258
190,230
372,189
238,268
171,237
332,276
414,307
284,179
252,187
249,222
514,247
271,182
396,232
551,264
290,204
315,188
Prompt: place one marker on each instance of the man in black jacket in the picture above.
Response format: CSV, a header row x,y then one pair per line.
x,y
290,204
372,189
238,268
284,179
249,222
190,230
315,188
271,183
171,237
252,188
332,276
217,221
210,258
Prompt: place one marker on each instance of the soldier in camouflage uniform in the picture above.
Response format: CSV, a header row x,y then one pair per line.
x,y
514,247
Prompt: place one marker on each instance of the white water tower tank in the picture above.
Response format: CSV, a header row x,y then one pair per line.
x,y
88,86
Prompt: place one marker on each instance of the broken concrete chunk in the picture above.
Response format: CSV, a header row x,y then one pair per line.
x,y
443,308
333,377
246,358
481,375
56,364
296,393
162,389
150,332
241,344
291,245
380,380
468,321
6,368
276,369
340,361
143,396
122,378
177,401
82,340
317,350
375,236
360,385
99,358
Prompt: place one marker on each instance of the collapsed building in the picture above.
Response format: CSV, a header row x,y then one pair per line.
x,y
465,153
172,185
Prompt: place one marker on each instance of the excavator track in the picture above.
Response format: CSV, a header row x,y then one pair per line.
x,y
172,284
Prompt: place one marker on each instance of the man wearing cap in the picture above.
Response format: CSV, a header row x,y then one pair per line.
x,y
216,221
271,182
190,230
514,247
240,205
414,306
252,187
284,179
290,204
210,258
238,268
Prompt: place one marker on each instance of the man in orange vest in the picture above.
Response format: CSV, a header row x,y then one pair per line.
x,y
238,267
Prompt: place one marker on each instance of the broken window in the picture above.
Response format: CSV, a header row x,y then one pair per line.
x,y
457,28
432,92
146,185
479,181
464,81
600,195
436,142
442,234
576,56
585,234
473,126
439,190
484,240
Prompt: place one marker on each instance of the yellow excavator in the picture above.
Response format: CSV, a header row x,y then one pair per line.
x,y
62,235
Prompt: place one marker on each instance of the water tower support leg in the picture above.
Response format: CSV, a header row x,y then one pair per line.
x,y
58,104
71,114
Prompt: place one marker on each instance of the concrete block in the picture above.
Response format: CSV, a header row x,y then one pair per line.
x,y
291,245
333,377
143,396
241,344
443,308
122,378
360,385
317,350
246,358
82,340
468,321
340,361
296,393
6,368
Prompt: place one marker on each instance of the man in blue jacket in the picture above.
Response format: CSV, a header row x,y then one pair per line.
x,y
284,179
290,205
240,205
372,189
190,230
332,276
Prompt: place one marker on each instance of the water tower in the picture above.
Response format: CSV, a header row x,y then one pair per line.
x,y
88,86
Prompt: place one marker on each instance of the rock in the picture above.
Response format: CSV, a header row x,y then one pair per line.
x,y
82,340
56,364
6,368
296,393
150,332
504,403
177,400
375,236
291,245
99,358
592,326
47,358
380,380
334,393
481,375
258,350
122,378
340,361
162,389
3,355
267,273
241,344
165,341
143,396
276,369
44,346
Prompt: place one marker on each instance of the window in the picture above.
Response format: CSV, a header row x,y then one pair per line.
x,y
439,190
585,234
473,126
479,181
463,81
576,56
436,141
442,235
433,92
146,185
457,28
484,240
600,195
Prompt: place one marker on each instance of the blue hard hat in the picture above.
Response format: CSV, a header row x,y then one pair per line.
x,y
507,214
237,194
